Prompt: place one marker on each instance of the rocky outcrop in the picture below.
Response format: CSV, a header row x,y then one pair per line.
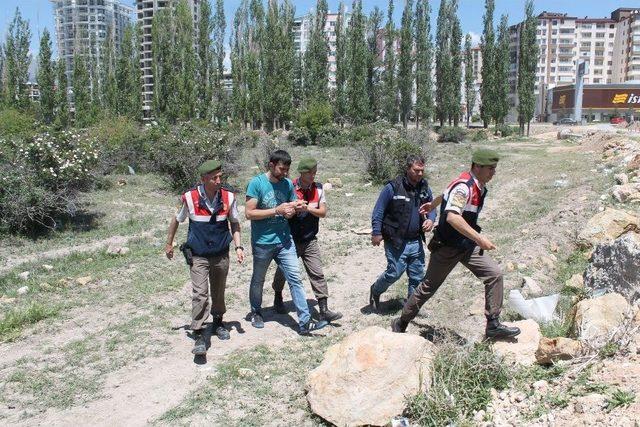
x,y
615,267
597,319
626,193
522,349
551,350
366,378
606,226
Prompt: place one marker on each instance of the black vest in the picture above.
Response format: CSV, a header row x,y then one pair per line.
x,y
397,215
305,228
448,235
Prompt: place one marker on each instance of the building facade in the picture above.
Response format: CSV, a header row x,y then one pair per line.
x,y
145,9
600,102
84,24
610,47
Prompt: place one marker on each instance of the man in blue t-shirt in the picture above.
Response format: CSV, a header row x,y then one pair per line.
x,y
271,200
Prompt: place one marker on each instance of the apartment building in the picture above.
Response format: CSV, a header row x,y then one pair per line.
x,y
610,47
302,31
79,22
145,9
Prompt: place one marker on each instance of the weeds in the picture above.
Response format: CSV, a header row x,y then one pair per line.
x,y
18,318
462,380
620,398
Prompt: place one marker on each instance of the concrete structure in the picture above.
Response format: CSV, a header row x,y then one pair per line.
x,y
611,46
599,102
145,10
79,22
33,91
302,31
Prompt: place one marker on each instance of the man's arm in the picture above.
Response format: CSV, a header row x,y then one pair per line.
x,y
252,213
378,213
321,210
235,232
173,227
465,229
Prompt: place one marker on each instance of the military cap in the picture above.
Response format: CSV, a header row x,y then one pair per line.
x,y
209,166
307,164
485,157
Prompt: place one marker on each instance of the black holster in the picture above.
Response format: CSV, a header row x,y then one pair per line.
x,y
435,243
188,254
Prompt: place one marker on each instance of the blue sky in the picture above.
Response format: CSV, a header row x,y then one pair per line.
x,y
39,12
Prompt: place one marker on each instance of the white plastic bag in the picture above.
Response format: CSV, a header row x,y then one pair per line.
x,y
539,309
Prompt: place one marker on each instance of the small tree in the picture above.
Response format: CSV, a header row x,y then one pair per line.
x,y
62,103
424,62
17,61
528,59
405,68
46,78
469,84
389,88
501,73
487,46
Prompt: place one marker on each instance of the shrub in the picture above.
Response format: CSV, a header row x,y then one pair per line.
x,y
122,143
16,123
330,136
452,134
462,380
178,153
299,136
314,117
506,130
385,154
41,178
480,135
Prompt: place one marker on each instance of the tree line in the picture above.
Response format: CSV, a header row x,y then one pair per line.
x,y
377,71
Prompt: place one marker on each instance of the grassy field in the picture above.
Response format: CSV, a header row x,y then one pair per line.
x,y
64,346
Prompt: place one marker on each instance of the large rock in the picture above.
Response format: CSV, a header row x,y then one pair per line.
x,y
606,226
626,192
522,350
367,377
560,348
615,267
597,319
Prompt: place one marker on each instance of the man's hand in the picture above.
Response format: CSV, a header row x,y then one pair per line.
x,y
427,225
301,205
240,255
485,243
426,208
168,250
376,239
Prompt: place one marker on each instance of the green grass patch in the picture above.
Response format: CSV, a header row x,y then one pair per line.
x,y
620,398
461,382
16,319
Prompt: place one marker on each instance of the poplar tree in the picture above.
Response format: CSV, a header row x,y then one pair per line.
x,y
356,85
239,63
373,63
469,83
186,61
17,61
455,97
81,83
405,66
2,75
389,88
217,73
443,63
424,62
487,49
165,84
92,62
110,85
254,72
204,52
340,101
62,103
46,78
501,73
528,59
316,72
128,76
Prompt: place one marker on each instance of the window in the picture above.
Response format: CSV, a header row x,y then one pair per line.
x,y
600,26
586,35
596,80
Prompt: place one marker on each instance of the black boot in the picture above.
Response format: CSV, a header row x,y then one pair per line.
x,y
397,325
200,346
219,330
325,313
278,303
495,329
310,326
374,300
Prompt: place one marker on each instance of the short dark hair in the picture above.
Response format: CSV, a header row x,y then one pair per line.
x,y
280,156
414,158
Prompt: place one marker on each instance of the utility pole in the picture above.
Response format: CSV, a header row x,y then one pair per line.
x,y
580,72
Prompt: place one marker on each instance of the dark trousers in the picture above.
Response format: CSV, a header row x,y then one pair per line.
x,y
310,254
209,277
441,262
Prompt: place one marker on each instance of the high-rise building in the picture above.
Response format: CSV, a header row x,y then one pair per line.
x,y
78,23
610,46
302,31
145,10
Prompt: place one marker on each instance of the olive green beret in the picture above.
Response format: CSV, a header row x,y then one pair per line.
x,y
209,166
485,157
307,164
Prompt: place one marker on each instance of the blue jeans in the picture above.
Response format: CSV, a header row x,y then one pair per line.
x,y
287,259
409,257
